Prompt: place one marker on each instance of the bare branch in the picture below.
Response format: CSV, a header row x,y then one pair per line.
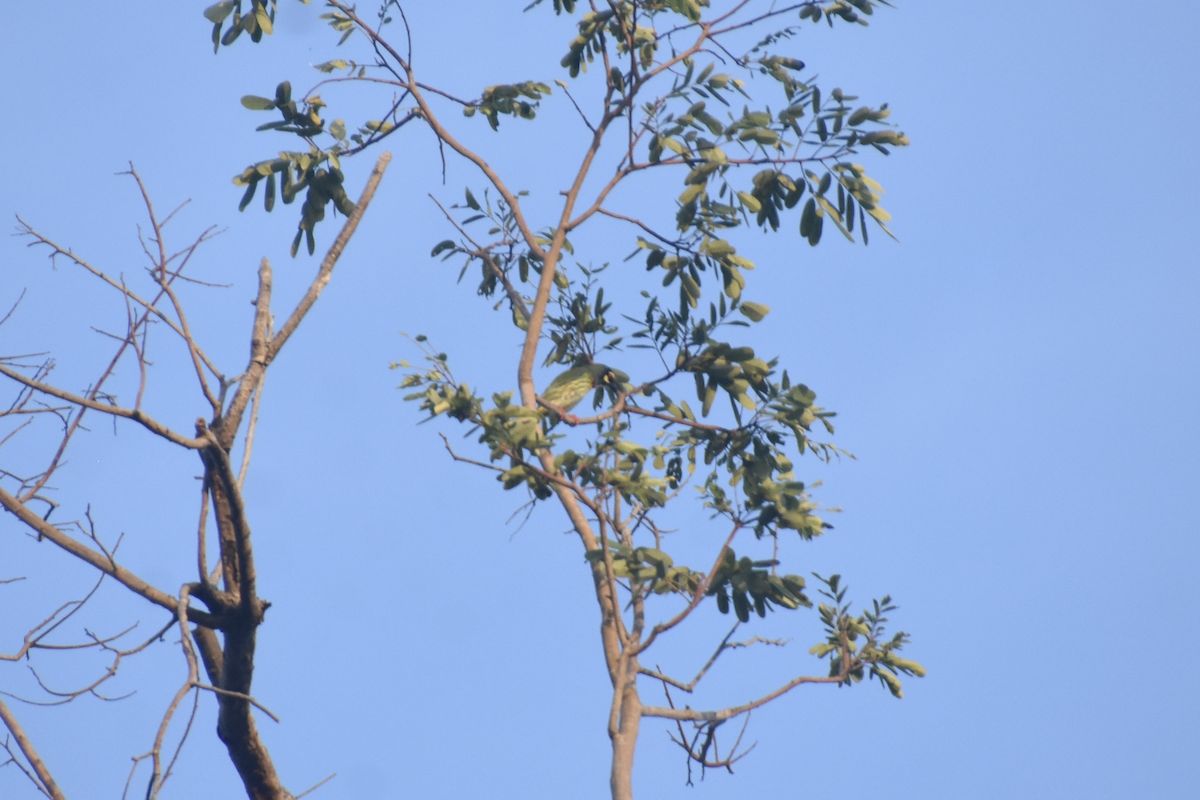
x,y
161,277
45,781
335,251
151,307
733,711
12,310
248,445
238,696
465,460
109,567
316,786
148,422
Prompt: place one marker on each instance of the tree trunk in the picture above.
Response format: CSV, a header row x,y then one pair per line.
x,y
625,731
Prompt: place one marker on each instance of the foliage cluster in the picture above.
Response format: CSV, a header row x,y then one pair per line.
x,y
672,102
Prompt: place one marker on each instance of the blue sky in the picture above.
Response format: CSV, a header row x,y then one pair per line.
x,y
1017,376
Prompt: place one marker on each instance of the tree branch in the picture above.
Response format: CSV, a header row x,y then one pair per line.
x,y
45,781
106,565
146,421
733,711
331,257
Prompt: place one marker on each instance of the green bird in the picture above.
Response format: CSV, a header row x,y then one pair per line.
x,y
570,387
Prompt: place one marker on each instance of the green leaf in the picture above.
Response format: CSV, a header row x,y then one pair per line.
x,y
808,218
814,235
751,202
235,30
710,394
256,103
691,287
217,12
673,145
755,311
249,195
263,19
691,193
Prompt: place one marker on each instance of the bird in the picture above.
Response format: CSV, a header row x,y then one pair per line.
x,y
565,391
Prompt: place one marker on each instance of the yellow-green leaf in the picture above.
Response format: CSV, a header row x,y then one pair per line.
x,y
751,202
263,19
256,103
691,193
754,311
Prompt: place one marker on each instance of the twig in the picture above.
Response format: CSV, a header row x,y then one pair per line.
x,y
464,459
248,446
151,424
514,296
4,319
120,574
316,786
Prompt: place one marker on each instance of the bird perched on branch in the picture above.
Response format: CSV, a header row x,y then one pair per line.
x,y
565,391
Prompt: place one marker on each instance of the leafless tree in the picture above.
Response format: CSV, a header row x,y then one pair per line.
x,y
221,632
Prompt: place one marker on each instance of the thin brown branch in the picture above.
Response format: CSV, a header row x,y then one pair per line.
x,y
237,696
482,253
139,351
610,574
260,341
663,627
150,306
12,310
316,786
688,687
725,645
248,445
327,265
582,115
34,636
676,243
446,95
187,729
466,460
160,276
146,421
109,567
733,711
6,746
202,535
431,119
45,781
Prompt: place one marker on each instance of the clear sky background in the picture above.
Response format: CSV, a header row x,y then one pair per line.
x,y
1018,377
